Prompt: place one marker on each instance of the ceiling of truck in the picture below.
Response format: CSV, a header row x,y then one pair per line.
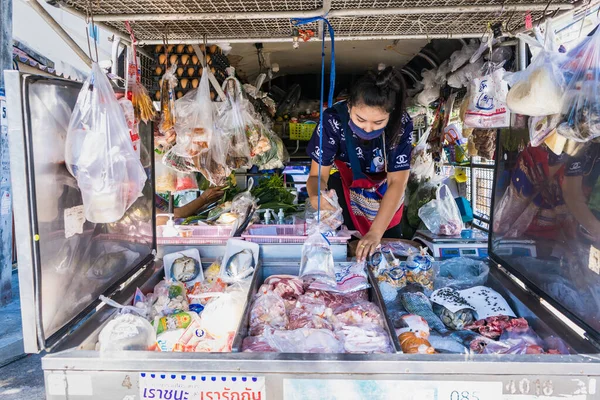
x,y
350,56
235,20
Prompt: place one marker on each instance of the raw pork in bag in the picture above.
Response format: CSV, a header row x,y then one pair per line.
x,y
581,103
441,215
99,152
487,103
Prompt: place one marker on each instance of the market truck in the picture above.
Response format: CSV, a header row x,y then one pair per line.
x,y
66,263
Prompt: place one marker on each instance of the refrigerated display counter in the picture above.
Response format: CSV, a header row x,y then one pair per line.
x,y
66,263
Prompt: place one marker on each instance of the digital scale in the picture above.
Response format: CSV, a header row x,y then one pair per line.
x,y
470,243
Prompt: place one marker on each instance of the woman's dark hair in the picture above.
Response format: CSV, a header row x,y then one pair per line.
x,y
385,90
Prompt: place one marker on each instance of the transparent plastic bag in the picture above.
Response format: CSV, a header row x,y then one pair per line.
x,y
461,273
349,278
276,157
487,103
99,153
465,75
581,108
165,178
460,57
268,311
538,90
317,260
365,339
441,215
441,75
304,340
429,78
540,128
429,95
330,219
167,104
186,182
194,124
127,332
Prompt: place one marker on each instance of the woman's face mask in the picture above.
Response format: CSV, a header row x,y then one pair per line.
x,y
366,122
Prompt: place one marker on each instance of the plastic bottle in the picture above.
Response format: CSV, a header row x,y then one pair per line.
x,y
280,216
267,216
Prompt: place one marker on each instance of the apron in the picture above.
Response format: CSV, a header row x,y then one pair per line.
x,y
363,193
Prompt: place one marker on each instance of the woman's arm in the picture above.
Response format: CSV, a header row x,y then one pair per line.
x,y
312,184
577,204
390,204
210,195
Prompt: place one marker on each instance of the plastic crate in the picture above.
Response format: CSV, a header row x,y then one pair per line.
x,y
283,234
200,235
301,131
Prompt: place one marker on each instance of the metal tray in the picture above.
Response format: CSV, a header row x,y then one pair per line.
x,y
263,272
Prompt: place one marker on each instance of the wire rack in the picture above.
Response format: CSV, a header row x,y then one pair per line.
x,y
441,23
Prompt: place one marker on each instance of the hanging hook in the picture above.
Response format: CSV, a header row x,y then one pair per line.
x,y
89,19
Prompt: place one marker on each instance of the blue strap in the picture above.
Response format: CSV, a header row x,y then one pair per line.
x,y
342,110
304,21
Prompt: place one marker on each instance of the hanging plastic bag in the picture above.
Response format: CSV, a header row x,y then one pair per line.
x,y
429,76
540,128
422,166
484,142
441,75
538,90
487,108
460,57
99,153
165,178
330,220
441,215
317,259
581,112
195,128
167,104
276,158
186,182
429,95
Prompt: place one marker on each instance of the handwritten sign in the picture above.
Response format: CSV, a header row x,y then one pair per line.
x,y
334,389
162,385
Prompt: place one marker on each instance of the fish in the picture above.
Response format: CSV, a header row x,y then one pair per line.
x,y
472,340
240,265
417,303
107,264
446,344
454,320
185,269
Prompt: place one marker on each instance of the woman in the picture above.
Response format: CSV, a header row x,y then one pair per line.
x,y
368,138
207,197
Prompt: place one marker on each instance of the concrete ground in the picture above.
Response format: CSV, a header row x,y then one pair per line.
x,y
21,376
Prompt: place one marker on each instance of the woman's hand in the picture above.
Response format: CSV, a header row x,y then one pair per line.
x,y
212,194
367,245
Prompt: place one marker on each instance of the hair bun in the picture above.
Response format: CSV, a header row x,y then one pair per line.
x,y
389,79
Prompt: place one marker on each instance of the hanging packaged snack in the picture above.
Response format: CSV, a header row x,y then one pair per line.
x,y
99,153
484,142
186,182
167,104
538,90
441,215
487,102
581,107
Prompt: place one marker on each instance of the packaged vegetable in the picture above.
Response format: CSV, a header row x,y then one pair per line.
x,y
441,215
581,108
487,102
179,320
461,273
99,152
126,332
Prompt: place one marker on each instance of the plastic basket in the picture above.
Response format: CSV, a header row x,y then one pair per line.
x,y
283,234
301,131
200,235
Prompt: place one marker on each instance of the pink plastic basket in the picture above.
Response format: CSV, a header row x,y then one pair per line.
x,y
283,234
200,235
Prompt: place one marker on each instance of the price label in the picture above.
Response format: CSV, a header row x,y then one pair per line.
x,y
162,385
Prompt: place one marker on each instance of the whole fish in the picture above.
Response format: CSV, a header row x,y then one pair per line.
x,y
417,303
473,341
446,344
240,265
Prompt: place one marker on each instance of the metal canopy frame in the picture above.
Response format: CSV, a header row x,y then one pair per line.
x,y
238,21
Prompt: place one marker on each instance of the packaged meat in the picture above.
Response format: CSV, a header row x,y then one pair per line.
x,y
310,312
349,278
493,327
317,260
364,339
336,300
287,287
268,310
441,215
304,340
359,313
256,344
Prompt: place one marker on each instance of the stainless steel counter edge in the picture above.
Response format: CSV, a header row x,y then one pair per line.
x,y
267,363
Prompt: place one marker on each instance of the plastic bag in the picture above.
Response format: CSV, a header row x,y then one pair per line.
x,y
267,311
127,332
99,153
330,219
441,215
422,166
540,128
221,316
165,178
365,339
460,57
276,157
317,260
461,273
581,112
429,95
484,142
429,78
304,340
441,75
186,182
538,90
487,106
349,278
167,104
465,75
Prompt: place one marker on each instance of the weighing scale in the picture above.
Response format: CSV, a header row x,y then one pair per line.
x,y
470,243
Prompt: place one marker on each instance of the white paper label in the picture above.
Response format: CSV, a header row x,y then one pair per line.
x,y
155,385
69,385
74,220
594,262
334,389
